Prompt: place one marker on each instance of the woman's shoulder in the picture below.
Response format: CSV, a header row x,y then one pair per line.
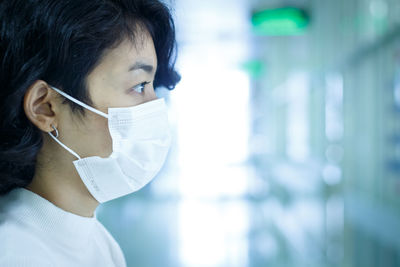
x,y
20,247
24,261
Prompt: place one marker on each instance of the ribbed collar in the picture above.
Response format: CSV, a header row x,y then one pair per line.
x,y
51,222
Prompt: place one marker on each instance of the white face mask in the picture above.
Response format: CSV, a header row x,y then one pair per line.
x,y
140,142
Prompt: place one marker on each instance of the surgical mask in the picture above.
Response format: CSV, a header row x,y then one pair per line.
x,y
140,143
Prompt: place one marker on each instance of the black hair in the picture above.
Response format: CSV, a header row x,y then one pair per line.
x,y
61,42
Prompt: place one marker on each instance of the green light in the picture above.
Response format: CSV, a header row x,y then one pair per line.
x,y
280,21
254,68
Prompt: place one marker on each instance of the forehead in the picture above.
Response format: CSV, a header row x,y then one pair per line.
x,y
121,57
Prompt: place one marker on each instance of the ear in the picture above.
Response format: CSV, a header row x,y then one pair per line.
x,y
39,104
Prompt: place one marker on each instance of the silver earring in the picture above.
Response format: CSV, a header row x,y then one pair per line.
x,y
55,129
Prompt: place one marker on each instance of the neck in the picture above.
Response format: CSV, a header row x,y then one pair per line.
x,y
67,199
63,187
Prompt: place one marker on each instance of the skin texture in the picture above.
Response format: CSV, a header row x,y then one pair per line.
x,y
110,84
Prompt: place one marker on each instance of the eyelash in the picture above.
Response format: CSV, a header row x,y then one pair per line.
x,y
142,85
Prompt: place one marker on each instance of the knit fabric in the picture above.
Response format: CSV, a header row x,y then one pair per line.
x,y
36,233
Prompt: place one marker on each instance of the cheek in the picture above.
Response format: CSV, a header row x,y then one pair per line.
x,y
103,138
95,139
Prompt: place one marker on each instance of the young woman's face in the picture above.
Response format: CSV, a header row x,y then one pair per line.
x,y
124,78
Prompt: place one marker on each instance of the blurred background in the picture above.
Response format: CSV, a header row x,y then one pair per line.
x,y
286,144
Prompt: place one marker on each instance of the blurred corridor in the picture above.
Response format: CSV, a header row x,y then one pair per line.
x,y
286,140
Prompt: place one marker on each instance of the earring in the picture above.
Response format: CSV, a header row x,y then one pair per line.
x,y
55,129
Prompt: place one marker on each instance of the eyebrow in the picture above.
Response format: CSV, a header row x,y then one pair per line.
x,y
142,66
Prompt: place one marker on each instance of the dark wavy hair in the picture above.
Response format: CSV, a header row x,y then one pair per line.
x,y
61,42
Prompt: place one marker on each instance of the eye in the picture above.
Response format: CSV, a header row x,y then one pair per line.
x,y
140,87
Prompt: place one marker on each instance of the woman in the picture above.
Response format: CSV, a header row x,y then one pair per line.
x,y
80,123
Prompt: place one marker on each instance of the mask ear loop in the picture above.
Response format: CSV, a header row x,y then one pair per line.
x,y
81,103
61,144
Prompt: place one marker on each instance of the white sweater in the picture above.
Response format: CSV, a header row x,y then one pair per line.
x,y
36,233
